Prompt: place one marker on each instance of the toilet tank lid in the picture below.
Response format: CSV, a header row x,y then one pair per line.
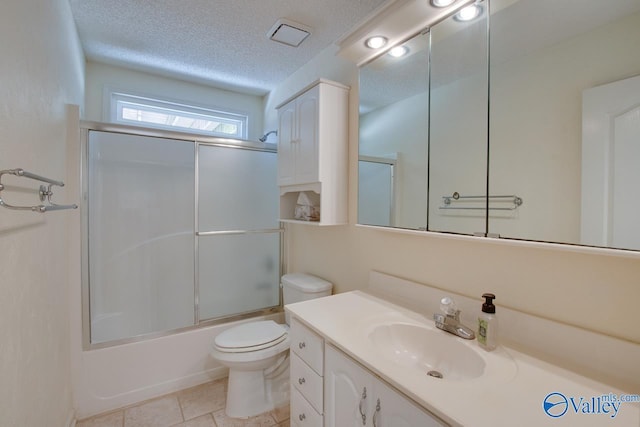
x,y
306,282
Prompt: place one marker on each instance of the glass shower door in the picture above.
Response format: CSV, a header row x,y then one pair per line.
x,y
239,235
141,241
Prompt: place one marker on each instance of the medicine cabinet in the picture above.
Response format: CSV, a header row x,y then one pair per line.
x,y
529,131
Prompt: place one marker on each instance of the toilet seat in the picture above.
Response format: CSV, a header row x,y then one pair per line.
x,y
249,337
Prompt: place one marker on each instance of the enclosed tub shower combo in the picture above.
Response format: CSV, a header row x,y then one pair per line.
x,y
179,232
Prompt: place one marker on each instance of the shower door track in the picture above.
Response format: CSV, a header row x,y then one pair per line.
x,y
181,136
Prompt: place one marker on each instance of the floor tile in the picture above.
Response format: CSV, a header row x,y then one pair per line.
x,y
115,419
203,399
263,420
203,421
162,412
200,406
281,414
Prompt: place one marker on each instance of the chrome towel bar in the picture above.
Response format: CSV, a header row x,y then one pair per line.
x,y
449,201
45,193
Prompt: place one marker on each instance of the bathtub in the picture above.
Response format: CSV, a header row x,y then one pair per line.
x,y
113,377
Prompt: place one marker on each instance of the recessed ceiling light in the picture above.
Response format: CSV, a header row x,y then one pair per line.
x,y
399,51
468,13
442,3
375,42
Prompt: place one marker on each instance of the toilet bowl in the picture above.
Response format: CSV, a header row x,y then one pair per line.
x,y
248,350
256,354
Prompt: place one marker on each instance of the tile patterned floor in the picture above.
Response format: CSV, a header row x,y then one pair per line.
x,y
200,406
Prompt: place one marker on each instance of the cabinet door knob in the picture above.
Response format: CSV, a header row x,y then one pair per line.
x,y
301,381
301,345
301,417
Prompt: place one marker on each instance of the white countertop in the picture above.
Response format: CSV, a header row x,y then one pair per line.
x,y
510,393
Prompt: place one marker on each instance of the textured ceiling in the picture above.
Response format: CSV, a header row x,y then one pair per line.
x,y
222,43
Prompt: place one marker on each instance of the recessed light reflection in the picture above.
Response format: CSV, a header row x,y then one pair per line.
x,y
399,51
375,42
442,3
468,13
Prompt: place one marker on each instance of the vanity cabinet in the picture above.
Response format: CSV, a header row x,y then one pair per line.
x,y
355,397
306,376
348,392
330,389
312,151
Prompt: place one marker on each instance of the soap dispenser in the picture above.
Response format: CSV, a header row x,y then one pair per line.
x,y
488,324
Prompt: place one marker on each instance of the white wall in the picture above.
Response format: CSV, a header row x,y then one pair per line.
x,y
325,65
598,292
42,69
101,75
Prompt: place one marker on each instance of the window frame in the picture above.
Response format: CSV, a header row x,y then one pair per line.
x,y
115,99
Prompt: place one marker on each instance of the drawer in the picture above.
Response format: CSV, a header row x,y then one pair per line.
x,y
302,413
308,345
307,382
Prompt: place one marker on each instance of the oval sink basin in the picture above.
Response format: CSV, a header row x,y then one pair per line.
x,y
432,351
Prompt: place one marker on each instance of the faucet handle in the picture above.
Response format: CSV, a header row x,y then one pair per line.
x,y
439,319
448,307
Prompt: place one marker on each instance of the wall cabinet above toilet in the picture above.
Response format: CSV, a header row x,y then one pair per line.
x,y
312,153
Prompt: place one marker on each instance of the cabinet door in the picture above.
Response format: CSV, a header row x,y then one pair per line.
x,y
306,146
347,391
286,140
391,409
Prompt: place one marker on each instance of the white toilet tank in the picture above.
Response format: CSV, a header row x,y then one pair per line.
x,y
298,287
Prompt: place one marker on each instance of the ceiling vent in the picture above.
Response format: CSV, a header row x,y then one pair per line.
x,y
289,32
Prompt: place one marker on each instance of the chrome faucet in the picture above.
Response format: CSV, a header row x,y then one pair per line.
x,y
450,320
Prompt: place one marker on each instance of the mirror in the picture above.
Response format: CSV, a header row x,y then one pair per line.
x,y
553,68
392,167
458,125
563,126
399,186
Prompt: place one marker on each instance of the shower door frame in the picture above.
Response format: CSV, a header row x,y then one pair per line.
x,y
85,128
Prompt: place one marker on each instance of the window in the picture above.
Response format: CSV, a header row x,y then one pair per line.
x,y
143,111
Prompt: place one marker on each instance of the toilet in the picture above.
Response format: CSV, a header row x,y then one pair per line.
x,y
257,353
